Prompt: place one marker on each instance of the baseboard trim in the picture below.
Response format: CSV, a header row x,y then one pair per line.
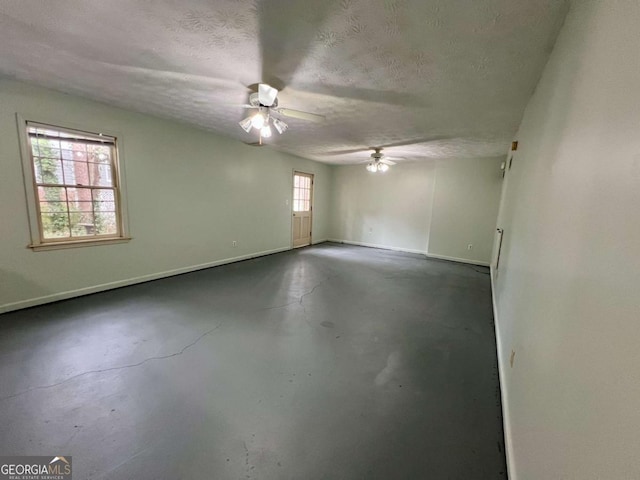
x,y
131,281
374,245
459,260
409,250
506,424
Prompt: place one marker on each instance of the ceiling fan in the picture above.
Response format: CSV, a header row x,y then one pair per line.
x,y
265,100
379,161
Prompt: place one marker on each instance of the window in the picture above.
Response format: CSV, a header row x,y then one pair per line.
x,y
301,192
76,186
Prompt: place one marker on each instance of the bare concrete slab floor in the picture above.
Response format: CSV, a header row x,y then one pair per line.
x,y
330,362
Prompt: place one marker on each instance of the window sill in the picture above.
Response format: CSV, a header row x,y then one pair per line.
x,y
77,243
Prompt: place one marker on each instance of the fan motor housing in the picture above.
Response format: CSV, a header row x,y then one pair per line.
x,y
254,101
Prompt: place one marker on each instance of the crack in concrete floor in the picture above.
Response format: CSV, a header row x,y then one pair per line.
x,y
301,298
121,367
299,301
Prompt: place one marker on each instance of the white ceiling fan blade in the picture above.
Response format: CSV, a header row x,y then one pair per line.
x,y
311,117
267,94
387,161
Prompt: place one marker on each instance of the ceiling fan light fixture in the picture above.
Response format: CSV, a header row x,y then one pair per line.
x,y
265,131
257,121
246,124
372,167
383,167
266,101
281,127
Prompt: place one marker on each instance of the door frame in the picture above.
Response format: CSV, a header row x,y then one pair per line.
x,y
291,212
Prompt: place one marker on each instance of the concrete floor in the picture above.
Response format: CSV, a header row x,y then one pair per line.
x,y
330,362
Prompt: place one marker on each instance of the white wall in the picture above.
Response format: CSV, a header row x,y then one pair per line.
x,y
390,210
465,208
434,207
190,194
568,284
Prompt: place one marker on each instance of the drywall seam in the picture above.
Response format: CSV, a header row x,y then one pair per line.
x,y
506,424
32,302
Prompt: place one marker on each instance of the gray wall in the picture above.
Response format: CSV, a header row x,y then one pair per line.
x,y
568,283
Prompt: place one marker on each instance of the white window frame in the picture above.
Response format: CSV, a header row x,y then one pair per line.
x,y
38,242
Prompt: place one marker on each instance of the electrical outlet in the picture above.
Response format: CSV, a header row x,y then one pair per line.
x,y
470,246
234,244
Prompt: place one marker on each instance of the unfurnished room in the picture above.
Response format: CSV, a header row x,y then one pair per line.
x,y
319,239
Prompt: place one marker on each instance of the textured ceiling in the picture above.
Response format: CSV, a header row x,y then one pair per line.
x,y
426,78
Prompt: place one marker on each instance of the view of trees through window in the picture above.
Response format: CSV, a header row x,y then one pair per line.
x,y
76,191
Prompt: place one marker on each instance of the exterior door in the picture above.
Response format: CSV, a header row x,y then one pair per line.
x,y
302,208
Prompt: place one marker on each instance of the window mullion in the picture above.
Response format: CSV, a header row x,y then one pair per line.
x,y
66,197
93,212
